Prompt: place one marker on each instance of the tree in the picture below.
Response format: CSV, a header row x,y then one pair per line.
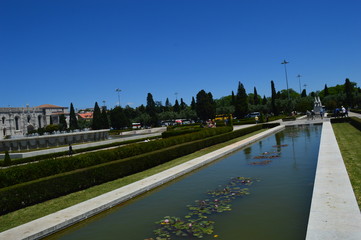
x,y
150,109
97,118
168,106
205,106
105,121
264,100
255,96
73,121
348,92
303,94
325,91
193,104
241,102
273,98
176,107
182,105
62,123
118,118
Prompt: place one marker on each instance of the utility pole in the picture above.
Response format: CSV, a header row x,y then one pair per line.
x,y
299,81
284,63
118,91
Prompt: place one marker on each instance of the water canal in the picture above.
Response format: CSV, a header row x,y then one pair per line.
x,y
282,168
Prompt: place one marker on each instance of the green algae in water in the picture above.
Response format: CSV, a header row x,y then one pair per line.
x,y
195,223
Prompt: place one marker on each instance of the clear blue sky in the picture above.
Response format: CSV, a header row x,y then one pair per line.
x,y
62,51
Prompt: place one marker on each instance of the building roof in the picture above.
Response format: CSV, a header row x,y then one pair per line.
x,y
49,106
88,115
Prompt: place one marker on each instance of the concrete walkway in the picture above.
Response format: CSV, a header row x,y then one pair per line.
x,y
54,222
334,211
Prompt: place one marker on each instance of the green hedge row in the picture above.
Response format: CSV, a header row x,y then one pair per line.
x,y
356,110
174,133
29,193
354,121
29,172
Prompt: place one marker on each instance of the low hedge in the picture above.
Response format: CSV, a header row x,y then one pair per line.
x,y
340,120
29,193
356,110
174,133
356,122
29,172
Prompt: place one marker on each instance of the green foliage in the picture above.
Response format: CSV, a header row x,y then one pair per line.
x,y
73,122
205,106
62,123
51,128
7,159
118,118
97,118
241,102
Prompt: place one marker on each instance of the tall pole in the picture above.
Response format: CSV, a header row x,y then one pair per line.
x,y
118,90
284,63
299,81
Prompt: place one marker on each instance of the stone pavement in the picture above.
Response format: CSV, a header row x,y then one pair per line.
x,y
334,211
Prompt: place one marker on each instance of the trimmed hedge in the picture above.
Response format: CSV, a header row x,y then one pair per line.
x,y
29,193
29,172
340,120
356,122
174,133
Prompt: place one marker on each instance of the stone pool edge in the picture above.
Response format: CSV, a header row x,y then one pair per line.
x,y
57,221
334,212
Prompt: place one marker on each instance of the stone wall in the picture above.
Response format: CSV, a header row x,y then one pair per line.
x,y
55,140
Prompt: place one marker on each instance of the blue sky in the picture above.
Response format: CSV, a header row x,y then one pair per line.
x,y
57,52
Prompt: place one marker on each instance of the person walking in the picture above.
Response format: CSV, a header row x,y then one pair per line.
x,y
70,152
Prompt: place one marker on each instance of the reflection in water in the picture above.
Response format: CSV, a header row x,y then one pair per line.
x,y
277,207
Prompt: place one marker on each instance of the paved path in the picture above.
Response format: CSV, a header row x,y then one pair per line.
x,y
334,211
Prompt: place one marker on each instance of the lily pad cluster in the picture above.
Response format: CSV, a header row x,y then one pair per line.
x,y
265,162
195,223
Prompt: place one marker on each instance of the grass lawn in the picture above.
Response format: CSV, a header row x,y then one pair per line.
x,y
28,214
349,142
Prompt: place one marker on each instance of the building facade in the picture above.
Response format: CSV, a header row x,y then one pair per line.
x,y
18,121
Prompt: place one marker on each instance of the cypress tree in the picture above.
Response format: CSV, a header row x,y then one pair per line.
x,y
105,121
255,96
73,121
193,104
62,123
168,106
241,102
348,91
273,98
176,107
118,118
182,105
150,109
264,100
97,118
304,94
325,91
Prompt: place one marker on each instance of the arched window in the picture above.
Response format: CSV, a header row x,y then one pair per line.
x,y
29,118
3,119
39,120
4,132
16,123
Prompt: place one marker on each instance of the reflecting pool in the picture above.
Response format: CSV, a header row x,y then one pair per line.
x,y
282,168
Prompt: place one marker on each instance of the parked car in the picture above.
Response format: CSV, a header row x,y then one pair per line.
x,y
253,114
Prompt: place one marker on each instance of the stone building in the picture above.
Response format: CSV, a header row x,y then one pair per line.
x,y
17,121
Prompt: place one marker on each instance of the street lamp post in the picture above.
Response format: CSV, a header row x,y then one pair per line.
x,y
284,63
299,81
118,90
